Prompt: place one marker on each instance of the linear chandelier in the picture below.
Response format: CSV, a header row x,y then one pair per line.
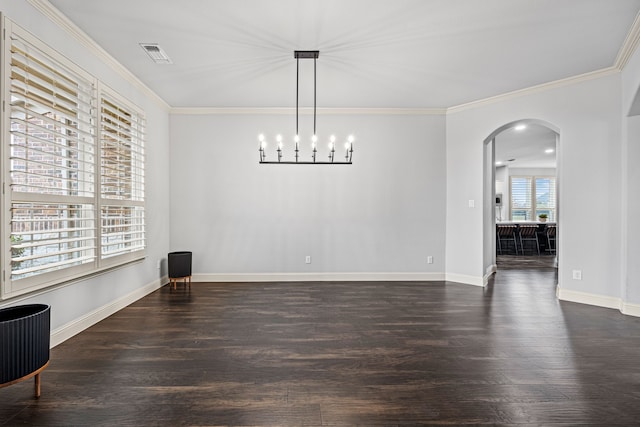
x,y
333,160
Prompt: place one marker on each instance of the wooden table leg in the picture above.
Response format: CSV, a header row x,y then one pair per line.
x,y
37,385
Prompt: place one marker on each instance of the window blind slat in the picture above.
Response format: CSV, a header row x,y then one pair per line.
x,y
55,100
26,50
35,106
24,56
30,117
53,266
53,254
124,115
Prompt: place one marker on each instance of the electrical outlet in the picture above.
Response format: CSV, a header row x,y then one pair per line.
x,y
577,274
158,264
472,203
307,259
429,259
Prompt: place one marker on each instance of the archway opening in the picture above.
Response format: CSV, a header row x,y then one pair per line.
x,y
521,196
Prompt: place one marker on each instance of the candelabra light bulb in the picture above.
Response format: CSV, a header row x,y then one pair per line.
x,y
279,138
261,137
351,138
332,138
296,138
314,139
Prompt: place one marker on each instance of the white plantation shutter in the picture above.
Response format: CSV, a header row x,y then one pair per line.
x,y
521,191
74,165
546,196
531,196
51,167
122,178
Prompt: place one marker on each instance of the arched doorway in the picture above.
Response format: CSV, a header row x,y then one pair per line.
x,y
531,155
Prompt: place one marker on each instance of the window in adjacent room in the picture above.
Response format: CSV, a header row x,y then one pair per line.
x,y
532,196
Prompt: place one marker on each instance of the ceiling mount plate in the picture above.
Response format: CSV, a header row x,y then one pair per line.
x,y
305,54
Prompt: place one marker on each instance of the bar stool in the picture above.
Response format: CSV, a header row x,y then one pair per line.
x,y
506,233
528,232
550,232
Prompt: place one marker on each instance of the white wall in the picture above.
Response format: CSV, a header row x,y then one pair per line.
x,y
631,182
588,116
632,276
84,301
383,214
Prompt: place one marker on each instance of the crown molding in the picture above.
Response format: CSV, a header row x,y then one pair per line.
x,y
309,111
57,17
629,46
534,89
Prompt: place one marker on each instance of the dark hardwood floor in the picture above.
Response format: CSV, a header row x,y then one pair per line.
x,y
343,354
526,262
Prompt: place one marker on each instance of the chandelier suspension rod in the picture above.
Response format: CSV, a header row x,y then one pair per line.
x,y
315,60
297,85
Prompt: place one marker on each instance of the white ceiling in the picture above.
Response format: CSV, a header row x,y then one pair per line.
x,y
526,148
373,53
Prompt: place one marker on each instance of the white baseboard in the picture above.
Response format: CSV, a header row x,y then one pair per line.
x,y
465,280
317,277
68,330
587,298
626,308
630,309
491,270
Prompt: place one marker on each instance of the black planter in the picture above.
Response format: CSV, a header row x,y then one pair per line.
x,y
179,266
24,343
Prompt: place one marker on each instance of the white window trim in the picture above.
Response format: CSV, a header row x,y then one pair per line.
x,y
8,288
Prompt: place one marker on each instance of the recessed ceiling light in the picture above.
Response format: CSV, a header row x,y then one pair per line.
x,y
520,127
549,150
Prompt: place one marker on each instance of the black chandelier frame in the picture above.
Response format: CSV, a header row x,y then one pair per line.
x,y
307,54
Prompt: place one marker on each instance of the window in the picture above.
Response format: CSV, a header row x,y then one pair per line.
x,y
532,196
122,178
75,171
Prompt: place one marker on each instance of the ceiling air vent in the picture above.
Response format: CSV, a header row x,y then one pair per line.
x,y
156,53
